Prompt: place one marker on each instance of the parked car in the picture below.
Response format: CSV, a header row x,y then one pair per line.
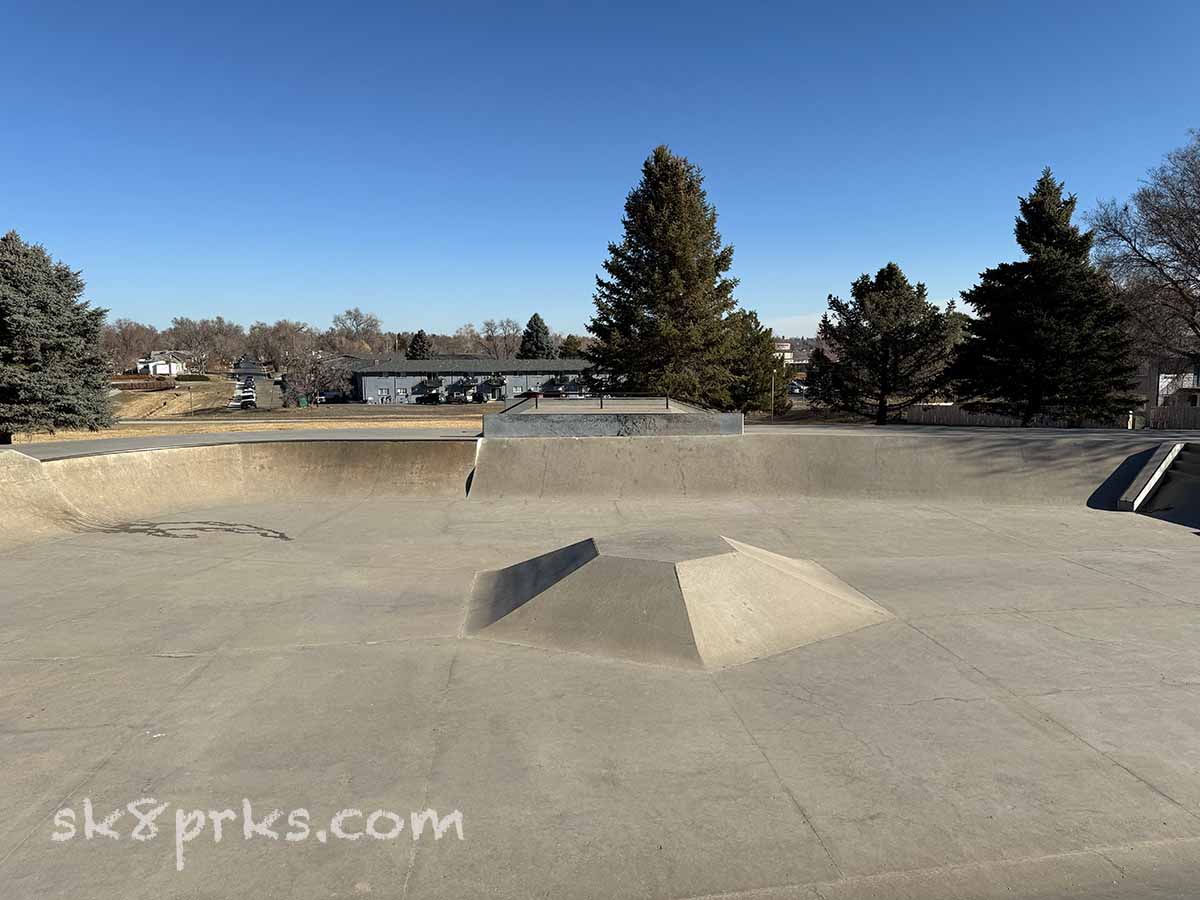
x,y
428,398
249,403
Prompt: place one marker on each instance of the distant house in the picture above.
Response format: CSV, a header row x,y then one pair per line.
x,y
1159,379
400,380
1184,396
164,362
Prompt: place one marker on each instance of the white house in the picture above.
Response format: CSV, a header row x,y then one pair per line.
x,y
164,362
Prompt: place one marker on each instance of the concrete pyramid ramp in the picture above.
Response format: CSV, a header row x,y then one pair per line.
x,y
687,601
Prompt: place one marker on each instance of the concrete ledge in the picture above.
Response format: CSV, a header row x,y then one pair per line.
x,y
614,424
1149,478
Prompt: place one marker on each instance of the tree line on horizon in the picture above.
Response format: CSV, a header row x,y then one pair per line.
x,y
216,343
1052,336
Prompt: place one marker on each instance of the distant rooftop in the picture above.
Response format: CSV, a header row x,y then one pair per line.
x,y
398,365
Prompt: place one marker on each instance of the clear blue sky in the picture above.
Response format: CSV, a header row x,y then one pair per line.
x,y
445,163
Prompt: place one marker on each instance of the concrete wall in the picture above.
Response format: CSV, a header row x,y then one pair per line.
x,y
615,424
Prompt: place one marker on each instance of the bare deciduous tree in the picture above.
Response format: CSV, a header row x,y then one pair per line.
x,y
355,331
466,340
212,342
500,340
1151,246
314,372
280,345
126,341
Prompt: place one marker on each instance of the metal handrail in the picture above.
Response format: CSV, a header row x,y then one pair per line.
x,y
600,396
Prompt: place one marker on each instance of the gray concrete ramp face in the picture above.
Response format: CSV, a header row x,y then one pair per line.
x,y
613,606
31,505
705,602
501,591
1056,470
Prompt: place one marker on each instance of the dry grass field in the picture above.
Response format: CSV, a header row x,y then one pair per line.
x,y
204,396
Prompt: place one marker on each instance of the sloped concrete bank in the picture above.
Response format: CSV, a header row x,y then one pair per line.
x,y
1013,469
41,499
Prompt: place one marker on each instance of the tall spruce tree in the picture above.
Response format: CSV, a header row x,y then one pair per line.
x,y
660,322
1050,338
888,347
535,340
420,347
53,371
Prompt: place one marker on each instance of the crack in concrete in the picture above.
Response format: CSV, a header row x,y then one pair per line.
x,y
438,730
1032,714
120,746
783,785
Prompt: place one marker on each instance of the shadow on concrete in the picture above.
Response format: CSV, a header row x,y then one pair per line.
x,y
1063,461
498,592
1185,517
1106,496
190,530
1176,502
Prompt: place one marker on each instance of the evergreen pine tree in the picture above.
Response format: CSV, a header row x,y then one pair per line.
x,y
571,347
1050,337
53,371
420,347
660,321
756,367
535,341
888,347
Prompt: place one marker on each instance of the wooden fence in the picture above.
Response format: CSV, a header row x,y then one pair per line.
x,y
954,416
144,383
1175,417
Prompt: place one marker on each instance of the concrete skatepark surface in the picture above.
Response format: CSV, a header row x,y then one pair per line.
x,y
287,622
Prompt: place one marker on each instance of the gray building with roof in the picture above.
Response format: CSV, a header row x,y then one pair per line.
x,y
400,380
